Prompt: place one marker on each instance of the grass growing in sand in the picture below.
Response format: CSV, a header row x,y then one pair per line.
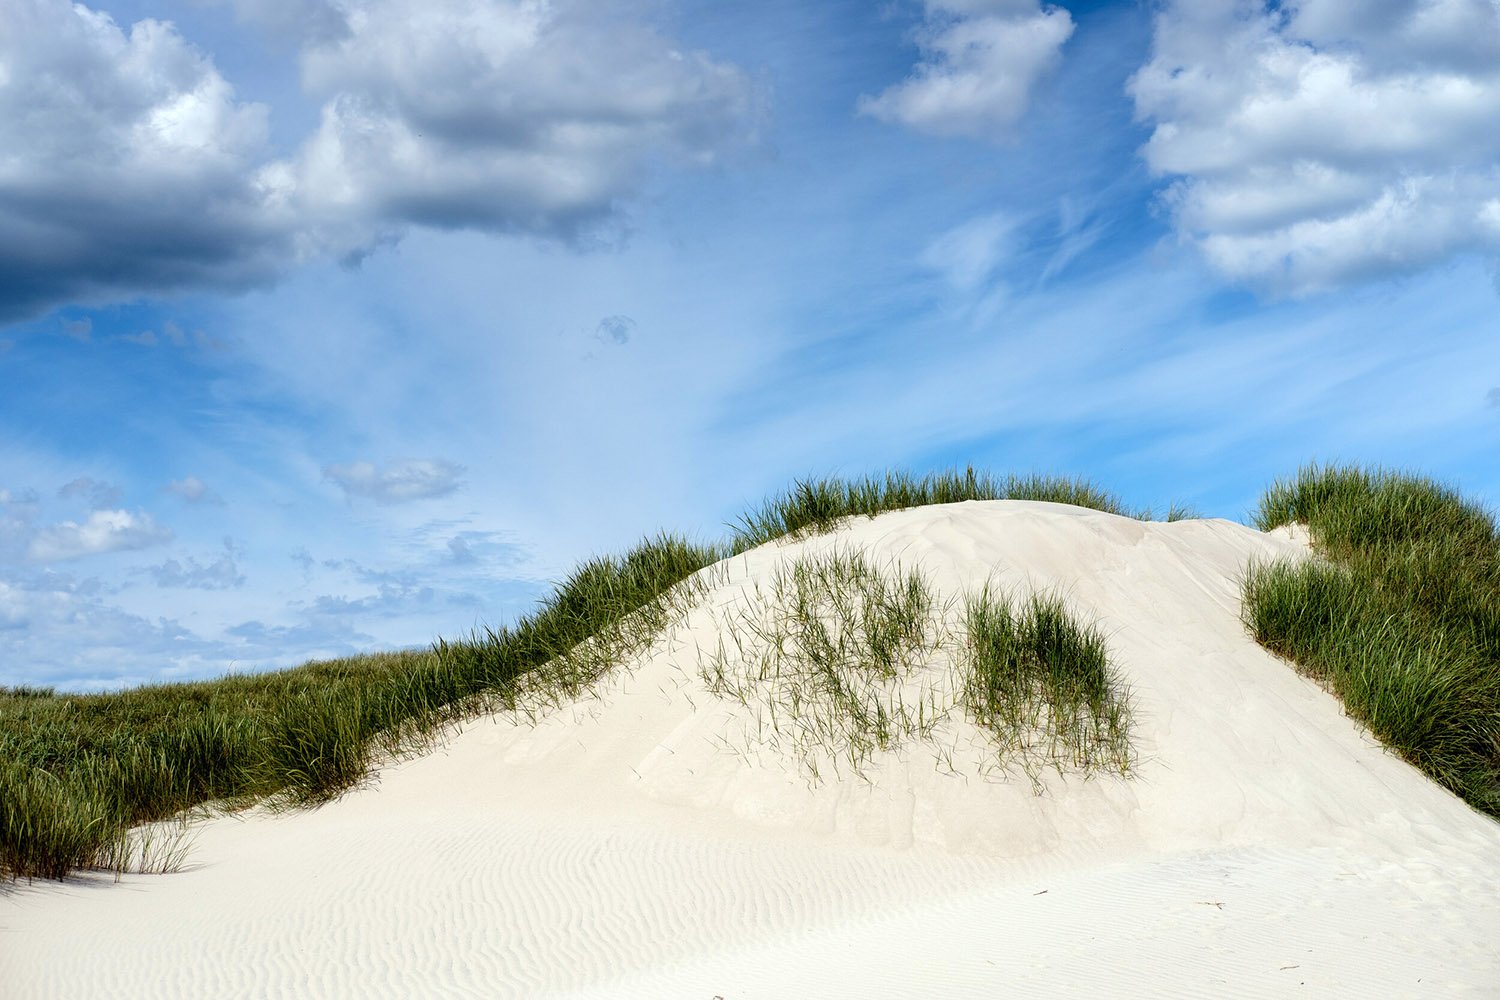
x,y
829,648
1042,682
848,659
1401,618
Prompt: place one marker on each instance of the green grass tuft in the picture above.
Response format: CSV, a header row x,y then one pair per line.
x,y
1042,683
1401,619
816,506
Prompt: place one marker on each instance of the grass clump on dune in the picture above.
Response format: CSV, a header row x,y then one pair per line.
x,y
1042,683
849,658
1401,618
827,648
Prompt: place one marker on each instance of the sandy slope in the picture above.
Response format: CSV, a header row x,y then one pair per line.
x,y
643,843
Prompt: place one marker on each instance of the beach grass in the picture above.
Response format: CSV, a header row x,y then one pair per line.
x,y
818,506
826,649
1400,617
1041,681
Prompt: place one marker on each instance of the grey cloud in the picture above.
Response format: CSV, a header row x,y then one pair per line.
x,y
615,329
221,574
99,495
146,174
403,482
510,117
141,173
1493,396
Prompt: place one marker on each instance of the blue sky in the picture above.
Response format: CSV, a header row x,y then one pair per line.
x,y
338,325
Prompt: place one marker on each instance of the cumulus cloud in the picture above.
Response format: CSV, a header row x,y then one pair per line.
x,y
503,115
104,531
128,165
418,479
1327,142
980,61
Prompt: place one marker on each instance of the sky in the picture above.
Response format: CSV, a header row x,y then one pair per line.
x,y
329,326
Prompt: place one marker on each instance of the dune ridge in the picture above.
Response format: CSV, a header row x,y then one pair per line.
x,y
641,842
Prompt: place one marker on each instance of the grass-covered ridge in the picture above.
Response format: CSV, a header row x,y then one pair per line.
x,y
816,506
77,772
1401,618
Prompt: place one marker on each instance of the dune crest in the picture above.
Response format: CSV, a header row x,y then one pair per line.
x,y
654,838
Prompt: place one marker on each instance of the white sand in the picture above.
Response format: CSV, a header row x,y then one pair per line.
x,y
638,844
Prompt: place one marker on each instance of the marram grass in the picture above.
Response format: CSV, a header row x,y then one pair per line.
x,y
1400,618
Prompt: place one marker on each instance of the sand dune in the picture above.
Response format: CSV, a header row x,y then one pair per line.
x,y
649,841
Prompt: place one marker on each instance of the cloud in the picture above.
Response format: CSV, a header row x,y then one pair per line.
x,y
131,166
1328,143
192,490
1493,397
98,494
461,554
419,479
129,163
221,574
503,116
968,254
104,531
980,61
615,329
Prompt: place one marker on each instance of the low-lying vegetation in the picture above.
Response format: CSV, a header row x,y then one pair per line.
x,y
1042,682
1400,618
817,506
77,772
848,659
828,648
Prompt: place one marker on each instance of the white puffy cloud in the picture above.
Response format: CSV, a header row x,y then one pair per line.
x,y
125,162
104,531
502,115
1330,141
417,479
980,61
